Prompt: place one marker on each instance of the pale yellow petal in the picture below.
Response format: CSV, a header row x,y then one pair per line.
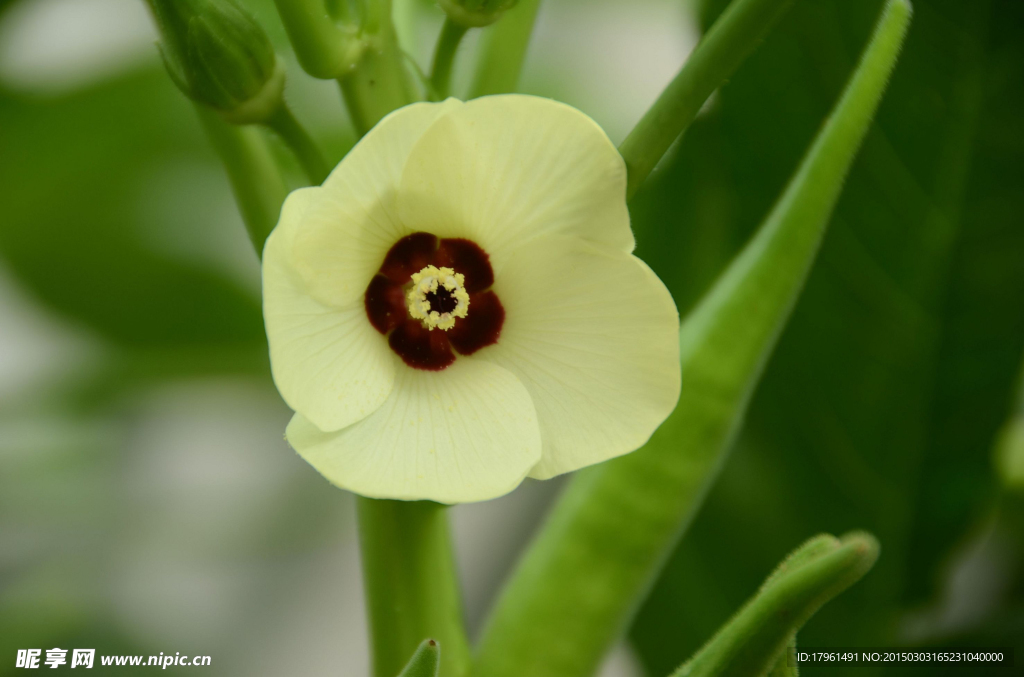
x,y
593,334
328,363
501,170
351,221
468,433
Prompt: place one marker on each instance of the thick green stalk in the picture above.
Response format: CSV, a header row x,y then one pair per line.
x,y
444,57
756,639
503,51
579,583
412,590
735,34
378,83
288,128
255,177
411,586
324,49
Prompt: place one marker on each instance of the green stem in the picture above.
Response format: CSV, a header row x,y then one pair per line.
x,y
324,49
822,544
444,56
378,83
503,51
785,665
757,637
340,11
288,128
739,29
411,585
373,89
579,583
255,177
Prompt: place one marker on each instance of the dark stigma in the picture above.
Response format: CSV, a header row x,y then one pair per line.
x,y
441,300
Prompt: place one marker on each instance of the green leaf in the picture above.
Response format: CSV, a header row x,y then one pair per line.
x,y
86,185
582,578
425,662
753,640
896,371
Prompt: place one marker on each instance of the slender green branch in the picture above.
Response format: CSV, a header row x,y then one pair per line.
x,y
255,177
288,128
444,56
503,51
411,585
617,522
324,49
739,29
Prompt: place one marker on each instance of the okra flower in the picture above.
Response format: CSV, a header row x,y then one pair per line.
x,y
457,307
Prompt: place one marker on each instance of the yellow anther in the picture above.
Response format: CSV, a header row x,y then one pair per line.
x,y
437,297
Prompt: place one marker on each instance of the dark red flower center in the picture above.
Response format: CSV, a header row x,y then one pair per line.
x,y
418,345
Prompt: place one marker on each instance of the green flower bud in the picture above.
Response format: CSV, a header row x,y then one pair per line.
x,y
218,55
475,13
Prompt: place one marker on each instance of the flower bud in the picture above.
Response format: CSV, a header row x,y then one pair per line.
x,y
475,13
218,55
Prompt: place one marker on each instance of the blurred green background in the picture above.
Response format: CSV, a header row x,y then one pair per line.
x,y
148,502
